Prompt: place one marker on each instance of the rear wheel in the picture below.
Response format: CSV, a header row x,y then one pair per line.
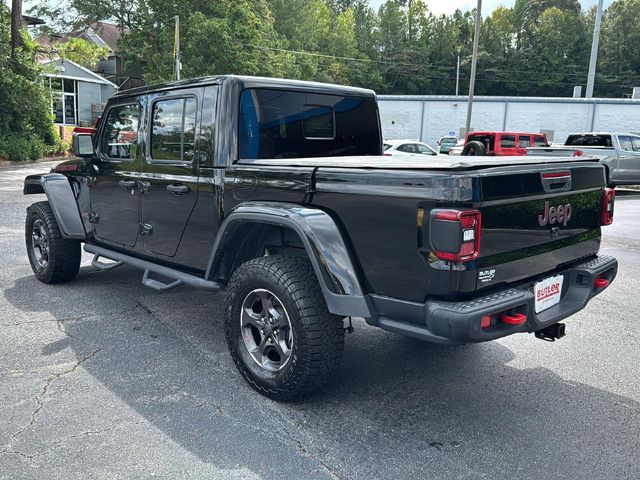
x,y
281,336
53,259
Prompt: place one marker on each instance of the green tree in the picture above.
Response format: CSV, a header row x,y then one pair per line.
x,y
538,47
619,58
25,115
216,36
80,51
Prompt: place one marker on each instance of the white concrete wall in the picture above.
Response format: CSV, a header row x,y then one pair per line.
x,y
430,117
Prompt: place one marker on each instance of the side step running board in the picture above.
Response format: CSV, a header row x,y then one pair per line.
x,y
177,277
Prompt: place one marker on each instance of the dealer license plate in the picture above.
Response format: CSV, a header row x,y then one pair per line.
x,y
548,292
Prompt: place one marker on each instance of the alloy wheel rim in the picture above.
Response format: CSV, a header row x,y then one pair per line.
x,y
266,330
40,244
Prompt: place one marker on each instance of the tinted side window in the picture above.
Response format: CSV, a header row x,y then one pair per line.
x,y
525,141
540,142
589,141
173,129
636,143
288,124
508,141
625,144
120,133
424,150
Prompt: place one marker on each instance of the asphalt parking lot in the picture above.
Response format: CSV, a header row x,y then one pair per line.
x,y
104,378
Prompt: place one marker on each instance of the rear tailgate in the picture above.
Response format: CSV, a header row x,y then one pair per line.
x,y
533,225
552,151
596,152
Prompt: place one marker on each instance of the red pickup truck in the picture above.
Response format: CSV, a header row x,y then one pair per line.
x,y
502,144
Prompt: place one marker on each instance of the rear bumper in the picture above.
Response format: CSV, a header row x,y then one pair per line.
x,y
460,322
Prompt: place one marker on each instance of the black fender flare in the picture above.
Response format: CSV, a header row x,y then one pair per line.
x,y
321,239
62,200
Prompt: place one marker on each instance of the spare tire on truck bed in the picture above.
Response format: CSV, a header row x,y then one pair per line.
x,y
474,148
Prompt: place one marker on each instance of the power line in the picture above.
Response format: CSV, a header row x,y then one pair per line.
x,y
415,65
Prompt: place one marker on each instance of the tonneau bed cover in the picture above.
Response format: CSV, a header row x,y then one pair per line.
x,y
428,163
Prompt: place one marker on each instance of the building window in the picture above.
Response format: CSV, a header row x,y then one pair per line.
x,y
64,104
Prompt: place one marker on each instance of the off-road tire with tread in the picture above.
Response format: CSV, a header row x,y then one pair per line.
x,y
474,148
64,254
318,335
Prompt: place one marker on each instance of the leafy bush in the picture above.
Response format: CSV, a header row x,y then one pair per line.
x,y
16,148
37,148
26,123
58,146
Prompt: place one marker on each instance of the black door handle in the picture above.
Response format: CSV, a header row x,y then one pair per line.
x,y
127,184
178,188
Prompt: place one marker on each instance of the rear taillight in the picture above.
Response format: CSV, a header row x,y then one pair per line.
x,y
455,234
606,206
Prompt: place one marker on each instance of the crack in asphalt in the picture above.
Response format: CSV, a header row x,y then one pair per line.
x,y
304,451
39,400
61,444
219,411
73,318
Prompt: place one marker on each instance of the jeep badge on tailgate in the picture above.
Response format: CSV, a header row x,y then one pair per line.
x,y
551,215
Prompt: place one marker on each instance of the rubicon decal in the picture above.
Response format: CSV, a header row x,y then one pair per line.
x,y
560,215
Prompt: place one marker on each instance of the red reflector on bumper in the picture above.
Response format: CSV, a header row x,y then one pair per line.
x,y
600,283
516,319
486,321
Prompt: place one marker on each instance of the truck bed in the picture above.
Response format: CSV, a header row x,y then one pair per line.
x,y
443,162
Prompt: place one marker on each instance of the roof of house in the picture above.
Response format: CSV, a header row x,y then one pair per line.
x,y
32,21
86,74
102,34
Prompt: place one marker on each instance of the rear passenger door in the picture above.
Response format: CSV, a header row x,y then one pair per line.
x,y
508,145
169,173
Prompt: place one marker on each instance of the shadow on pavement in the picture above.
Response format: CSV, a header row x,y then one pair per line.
x,y
399,409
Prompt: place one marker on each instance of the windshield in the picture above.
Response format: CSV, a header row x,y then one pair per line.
x,y
387,146
589,140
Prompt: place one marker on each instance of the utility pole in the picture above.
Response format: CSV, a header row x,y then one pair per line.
x,y
176,47
591,77
458,77
16,23
474,61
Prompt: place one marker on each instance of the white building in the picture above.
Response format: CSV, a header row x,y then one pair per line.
x,y
78,95
427,117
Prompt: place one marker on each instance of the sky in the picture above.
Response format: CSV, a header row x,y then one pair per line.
x,y
446,7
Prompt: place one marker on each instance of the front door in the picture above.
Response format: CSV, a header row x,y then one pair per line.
x,y
113,188
629,164
169,173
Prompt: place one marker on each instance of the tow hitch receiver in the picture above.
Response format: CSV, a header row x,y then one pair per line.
x,y
551,333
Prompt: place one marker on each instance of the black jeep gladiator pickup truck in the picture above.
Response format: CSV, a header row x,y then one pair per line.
x,y
277,192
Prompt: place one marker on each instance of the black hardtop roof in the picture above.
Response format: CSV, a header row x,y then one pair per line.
x,y
248,82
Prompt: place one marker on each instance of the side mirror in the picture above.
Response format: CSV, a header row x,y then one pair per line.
x,y
83,145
